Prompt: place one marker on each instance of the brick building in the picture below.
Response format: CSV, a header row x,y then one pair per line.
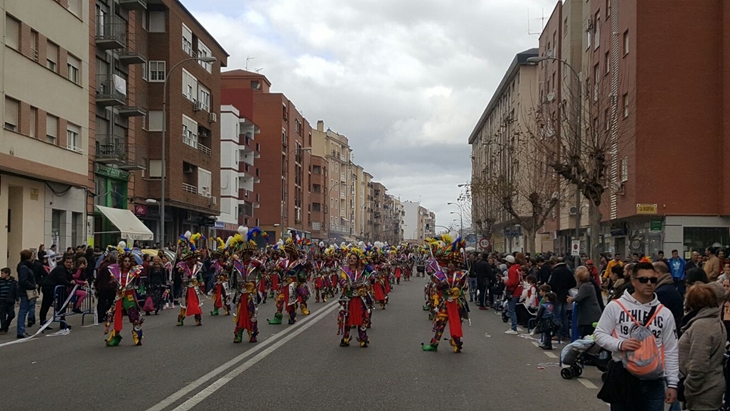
x,y
285,141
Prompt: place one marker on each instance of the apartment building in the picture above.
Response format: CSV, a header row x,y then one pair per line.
x,y
319,206
43,143
508,113
137,45
376,210
366,201
639,107
285,143
239,151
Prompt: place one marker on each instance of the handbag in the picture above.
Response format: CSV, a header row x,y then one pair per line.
x,y
32,294
619,386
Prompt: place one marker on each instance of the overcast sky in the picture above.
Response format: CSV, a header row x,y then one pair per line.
x,y
404,80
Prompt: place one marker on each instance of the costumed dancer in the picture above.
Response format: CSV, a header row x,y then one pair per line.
x,y
287,298
220,285
355,301
126,277
192,279
246,278
451,282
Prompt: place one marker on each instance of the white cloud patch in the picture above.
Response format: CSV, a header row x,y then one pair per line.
x,y
405,80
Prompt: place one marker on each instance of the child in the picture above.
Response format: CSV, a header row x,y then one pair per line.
x,y
546,323
79,278
9,294
497,289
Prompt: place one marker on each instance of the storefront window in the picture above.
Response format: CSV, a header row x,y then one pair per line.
x,y
699,238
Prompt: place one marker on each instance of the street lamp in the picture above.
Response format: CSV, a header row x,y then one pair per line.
x,y
534,61
164,132
461,216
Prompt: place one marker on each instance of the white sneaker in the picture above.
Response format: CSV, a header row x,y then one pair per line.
x,y
520,329
511,332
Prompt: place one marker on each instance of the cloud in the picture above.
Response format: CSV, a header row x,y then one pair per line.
x,y
405,81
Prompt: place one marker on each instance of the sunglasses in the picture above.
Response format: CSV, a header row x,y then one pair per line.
x,y
645,280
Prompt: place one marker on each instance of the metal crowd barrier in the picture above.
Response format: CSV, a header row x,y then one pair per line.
x,y
64,302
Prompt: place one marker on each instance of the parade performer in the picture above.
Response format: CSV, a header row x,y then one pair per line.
x,y
220,285
192,279
126,278
452,307
355,301
246,279
288,297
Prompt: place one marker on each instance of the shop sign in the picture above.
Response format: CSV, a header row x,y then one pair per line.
x,y
655,225
110,172
646,208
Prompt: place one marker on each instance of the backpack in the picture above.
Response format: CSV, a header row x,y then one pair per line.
x,y
645,363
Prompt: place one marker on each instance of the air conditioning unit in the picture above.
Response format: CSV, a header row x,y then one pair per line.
x,y
573,211
212,117
212,200
551,97
197,105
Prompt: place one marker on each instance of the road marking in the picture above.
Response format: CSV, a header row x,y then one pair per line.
x,y
587,383
536,344
220,369
212,388
550,355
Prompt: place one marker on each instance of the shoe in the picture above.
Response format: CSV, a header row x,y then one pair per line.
x,y
520,329
3,332
483,308
24,335
78,311
31,323
429,347
545,347
511,332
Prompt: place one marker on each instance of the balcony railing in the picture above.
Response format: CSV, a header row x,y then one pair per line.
x,y
205,149
133,4
189,188
111,32
111,149
111,90
135,108
135,52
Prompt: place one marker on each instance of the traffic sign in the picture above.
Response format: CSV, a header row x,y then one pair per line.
x,y
484,243
575,248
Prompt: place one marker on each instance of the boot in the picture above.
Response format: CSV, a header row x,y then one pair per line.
x,y
137,337
429,347
228,310
456,344
305,310
382,306
113,340
214,312
197,320
324,299
345,342
252,337
426,308
277,319
238,336
180,320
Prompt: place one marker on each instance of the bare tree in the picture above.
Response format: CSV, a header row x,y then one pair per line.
x,y
481,208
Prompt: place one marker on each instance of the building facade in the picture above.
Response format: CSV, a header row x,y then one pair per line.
x,y
44,156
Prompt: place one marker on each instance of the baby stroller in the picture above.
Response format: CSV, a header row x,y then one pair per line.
x,y
581,353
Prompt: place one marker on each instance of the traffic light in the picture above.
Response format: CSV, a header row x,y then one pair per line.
x,y
428,226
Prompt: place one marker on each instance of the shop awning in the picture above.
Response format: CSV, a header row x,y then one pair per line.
x,y
130,227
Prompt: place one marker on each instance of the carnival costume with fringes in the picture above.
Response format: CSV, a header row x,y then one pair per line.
x,y
449,305
125,302
247,275
295,292
192,279
356,301
221,294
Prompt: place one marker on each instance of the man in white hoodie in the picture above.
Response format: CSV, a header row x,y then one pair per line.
x,y
615,326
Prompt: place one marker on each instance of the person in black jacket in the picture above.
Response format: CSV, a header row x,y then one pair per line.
x,y
9,294
483,272
61,275
561,281
668,296
26,282
543,271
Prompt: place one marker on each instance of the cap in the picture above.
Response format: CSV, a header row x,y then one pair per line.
x,y
589,262
510,259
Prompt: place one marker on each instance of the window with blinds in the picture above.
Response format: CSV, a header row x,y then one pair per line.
x,y
52,57
51,129
189,86
187,40
73,137
74,69
12,108
12,32
190,131
205,181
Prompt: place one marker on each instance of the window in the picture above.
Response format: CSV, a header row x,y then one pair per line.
x,y
316,188
74,66
33,120
74,6
204,97
205,182
607,118
154,120
565,27
597,22
51,128
626,105
157,70
624,169
204,51
52,57
34,45
155,170
100,20
608,62
189,86
255,84
156,21
316,207
187,40
12,109
145,69
190,132
608,9
626,42
595,130
595,82
589,36
12,32
73,137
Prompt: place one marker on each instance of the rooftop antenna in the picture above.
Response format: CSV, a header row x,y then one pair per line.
x,y
542,23
259,69
247,60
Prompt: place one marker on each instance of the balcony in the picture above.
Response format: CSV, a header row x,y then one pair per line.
x,y
111,90
113,149
133,4
205,149
135,52
189,188
111,32
134,109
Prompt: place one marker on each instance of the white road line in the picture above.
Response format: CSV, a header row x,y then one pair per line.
x,y
587,383
212,388
551,355
220,369
536,344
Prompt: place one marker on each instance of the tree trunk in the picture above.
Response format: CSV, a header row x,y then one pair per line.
x,y
529,240
594,221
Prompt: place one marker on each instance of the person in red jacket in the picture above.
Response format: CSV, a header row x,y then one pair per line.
x,y
513,287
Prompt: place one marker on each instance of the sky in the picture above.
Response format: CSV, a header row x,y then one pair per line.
x,y
404,80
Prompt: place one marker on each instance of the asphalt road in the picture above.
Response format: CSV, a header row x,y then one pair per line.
x,y
297,367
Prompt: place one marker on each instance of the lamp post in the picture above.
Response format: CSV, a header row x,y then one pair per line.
x,y
164,135
534,61
461,217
